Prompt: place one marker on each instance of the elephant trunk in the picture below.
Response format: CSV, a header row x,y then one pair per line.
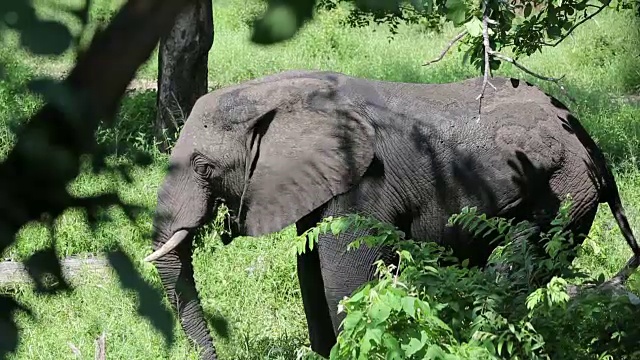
x,y
174,265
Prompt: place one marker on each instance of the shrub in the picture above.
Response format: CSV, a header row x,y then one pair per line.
x,y
516,308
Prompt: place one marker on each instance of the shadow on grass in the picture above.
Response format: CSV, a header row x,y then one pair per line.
x,y
219,324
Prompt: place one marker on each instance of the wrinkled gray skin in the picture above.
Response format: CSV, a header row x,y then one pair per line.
x,y
301,145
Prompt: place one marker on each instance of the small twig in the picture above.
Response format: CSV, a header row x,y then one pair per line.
x,y
447,48
521,67
487,52
541,77
600,8
395,278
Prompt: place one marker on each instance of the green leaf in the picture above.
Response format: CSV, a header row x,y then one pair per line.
x,y
394,352
409,306
456,11
434,352
379,313
474,27
352,319
392,300
281,21
413,347
359,294
338,226
371,335
405,255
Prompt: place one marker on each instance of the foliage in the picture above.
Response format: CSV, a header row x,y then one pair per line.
x,y
253,283
52,145
517,308
489,26
523,26
55,151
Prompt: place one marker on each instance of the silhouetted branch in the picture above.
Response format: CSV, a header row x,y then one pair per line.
x,y
541,77
616,284
521,67
35,175
623,275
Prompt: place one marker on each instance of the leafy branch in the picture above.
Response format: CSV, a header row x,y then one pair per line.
x,y
490,26
35,175
420,308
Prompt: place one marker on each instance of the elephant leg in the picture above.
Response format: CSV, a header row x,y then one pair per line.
x,y
321,334
344,271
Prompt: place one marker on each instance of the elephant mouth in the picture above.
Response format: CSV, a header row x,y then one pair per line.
x,y
180,235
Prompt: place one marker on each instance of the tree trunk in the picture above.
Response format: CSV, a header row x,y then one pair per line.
x,y
182,69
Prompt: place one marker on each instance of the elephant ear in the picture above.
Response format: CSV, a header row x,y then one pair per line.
x,y
300,156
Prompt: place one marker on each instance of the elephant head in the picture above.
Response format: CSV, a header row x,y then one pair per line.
x,y
272,151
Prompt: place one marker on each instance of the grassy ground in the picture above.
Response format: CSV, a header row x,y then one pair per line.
x,y
253,284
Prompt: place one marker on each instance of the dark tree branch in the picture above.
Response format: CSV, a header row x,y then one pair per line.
x,y
623,275
34,176
616,284
95,85
446,49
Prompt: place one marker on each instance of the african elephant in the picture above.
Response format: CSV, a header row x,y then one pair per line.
x,y
302,145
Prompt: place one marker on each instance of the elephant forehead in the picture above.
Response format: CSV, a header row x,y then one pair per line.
x,y
196,136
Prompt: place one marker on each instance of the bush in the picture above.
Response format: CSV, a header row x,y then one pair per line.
x,y
516,308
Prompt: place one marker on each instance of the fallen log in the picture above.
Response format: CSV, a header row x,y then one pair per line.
x,y
101,347
15,273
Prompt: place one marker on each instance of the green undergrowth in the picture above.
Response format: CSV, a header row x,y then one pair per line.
x,y
249,288
520,307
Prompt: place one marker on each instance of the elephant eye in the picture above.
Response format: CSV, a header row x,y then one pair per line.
x,y
201,166
203,169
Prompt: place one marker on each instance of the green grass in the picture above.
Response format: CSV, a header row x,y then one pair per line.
x,y
252,283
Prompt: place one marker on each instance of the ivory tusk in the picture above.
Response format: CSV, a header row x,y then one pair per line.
x,y
171,244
